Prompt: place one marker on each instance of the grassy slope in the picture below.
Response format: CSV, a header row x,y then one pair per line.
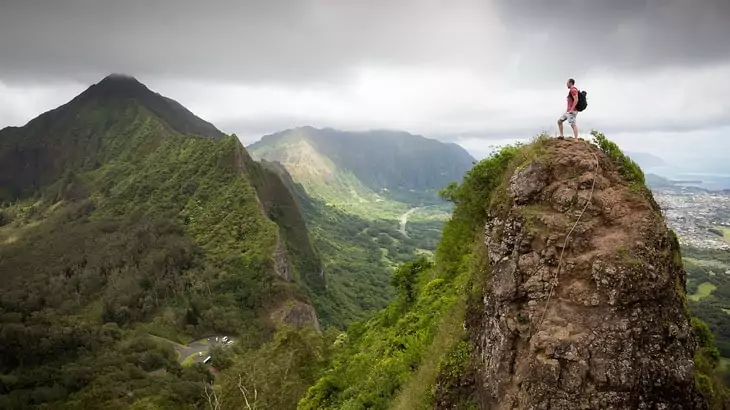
x,y
709,287
358,255
324,180
369,175
354,226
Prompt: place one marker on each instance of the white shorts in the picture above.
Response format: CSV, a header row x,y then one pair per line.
x,y
570,116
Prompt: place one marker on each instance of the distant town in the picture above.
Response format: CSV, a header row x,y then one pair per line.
x,y
700,218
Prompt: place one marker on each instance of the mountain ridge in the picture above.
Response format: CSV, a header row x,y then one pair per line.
x,y
56,141
124,216
367,172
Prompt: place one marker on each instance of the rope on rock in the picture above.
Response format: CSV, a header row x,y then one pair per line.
x,y
565,243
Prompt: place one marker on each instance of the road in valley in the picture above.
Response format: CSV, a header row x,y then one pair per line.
x,y
404,220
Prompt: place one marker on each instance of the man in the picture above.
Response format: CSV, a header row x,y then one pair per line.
x,y
571,112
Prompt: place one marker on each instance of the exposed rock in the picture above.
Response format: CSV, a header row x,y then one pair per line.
x,y
281,260
609,330
296,314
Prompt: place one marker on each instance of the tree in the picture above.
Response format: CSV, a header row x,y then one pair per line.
x,y
404,278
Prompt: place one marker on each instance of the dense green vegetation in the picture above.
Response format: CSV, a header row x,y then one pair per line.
x,y
629,169
135,230
358,254
353,210
706,271
710,377
397,357
274,376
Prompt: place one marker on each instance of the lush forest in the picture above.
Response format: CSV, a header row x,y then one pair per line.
x,y
708,285
358,255
153,236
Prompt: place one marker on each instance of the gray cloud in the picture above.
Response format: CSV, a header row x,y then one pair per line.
x,y
248,41
322,40
480,70
629,35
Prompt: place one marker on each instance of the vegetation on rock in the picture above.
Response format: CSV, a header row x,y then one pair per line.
x,y
405,355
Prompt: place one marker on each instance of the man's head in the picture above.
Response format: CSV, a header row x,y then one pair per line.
x,y
571,82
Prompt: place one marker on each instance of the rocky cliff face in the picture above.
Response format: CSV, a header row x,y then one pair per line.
x,y
297,314
597,321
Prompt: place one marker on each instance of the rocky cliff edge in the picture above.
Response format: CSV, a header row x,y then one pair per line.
x,y
581,315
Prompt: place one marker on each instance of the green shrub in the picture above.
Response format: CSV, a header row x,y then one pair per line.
x,y
629,169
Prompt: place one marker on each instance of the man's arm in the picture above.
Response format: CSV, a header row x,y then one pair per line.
x,y
574,94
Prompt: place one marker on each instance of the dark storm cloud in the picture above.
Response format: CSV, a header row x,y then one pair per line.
x,y
309,40
634,35
272,40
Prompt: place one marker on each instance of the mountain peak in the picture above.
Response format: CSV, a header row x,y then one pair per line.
x,y
116,86
119,77
123,88
579,252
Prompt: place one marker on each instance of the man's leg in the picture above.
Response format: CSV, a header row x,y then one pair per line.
x,y
560,124
571,121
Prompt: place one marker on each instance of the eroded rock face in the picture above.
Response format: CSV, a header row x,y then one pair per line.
x,y
282,266
615,333
297,314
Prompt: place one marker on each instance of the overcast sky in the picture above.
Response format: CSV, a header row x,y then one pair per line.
x,y
477,72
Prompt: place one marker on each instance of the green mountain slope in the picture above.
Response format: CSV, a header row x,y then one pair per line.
x,y
124,216
374,174
358,255
371,203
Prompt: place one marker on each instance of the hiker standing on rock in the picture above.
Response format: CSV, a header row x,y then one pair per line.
x,y
574,106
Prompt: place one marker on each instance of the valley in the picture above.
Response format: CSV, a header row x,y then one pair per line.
x,y
700,218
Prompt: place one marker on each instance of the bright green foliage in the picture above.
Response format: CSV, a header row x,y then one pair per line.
x,y
404,278
708,375
629,169
278,374
475,196
381,356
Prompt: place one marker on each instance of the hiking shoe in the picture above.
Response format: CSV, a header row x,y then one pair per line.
x,y
561,137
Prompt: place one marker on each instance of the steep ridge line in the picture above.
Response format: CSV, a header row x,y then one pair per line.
x,y
565,242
